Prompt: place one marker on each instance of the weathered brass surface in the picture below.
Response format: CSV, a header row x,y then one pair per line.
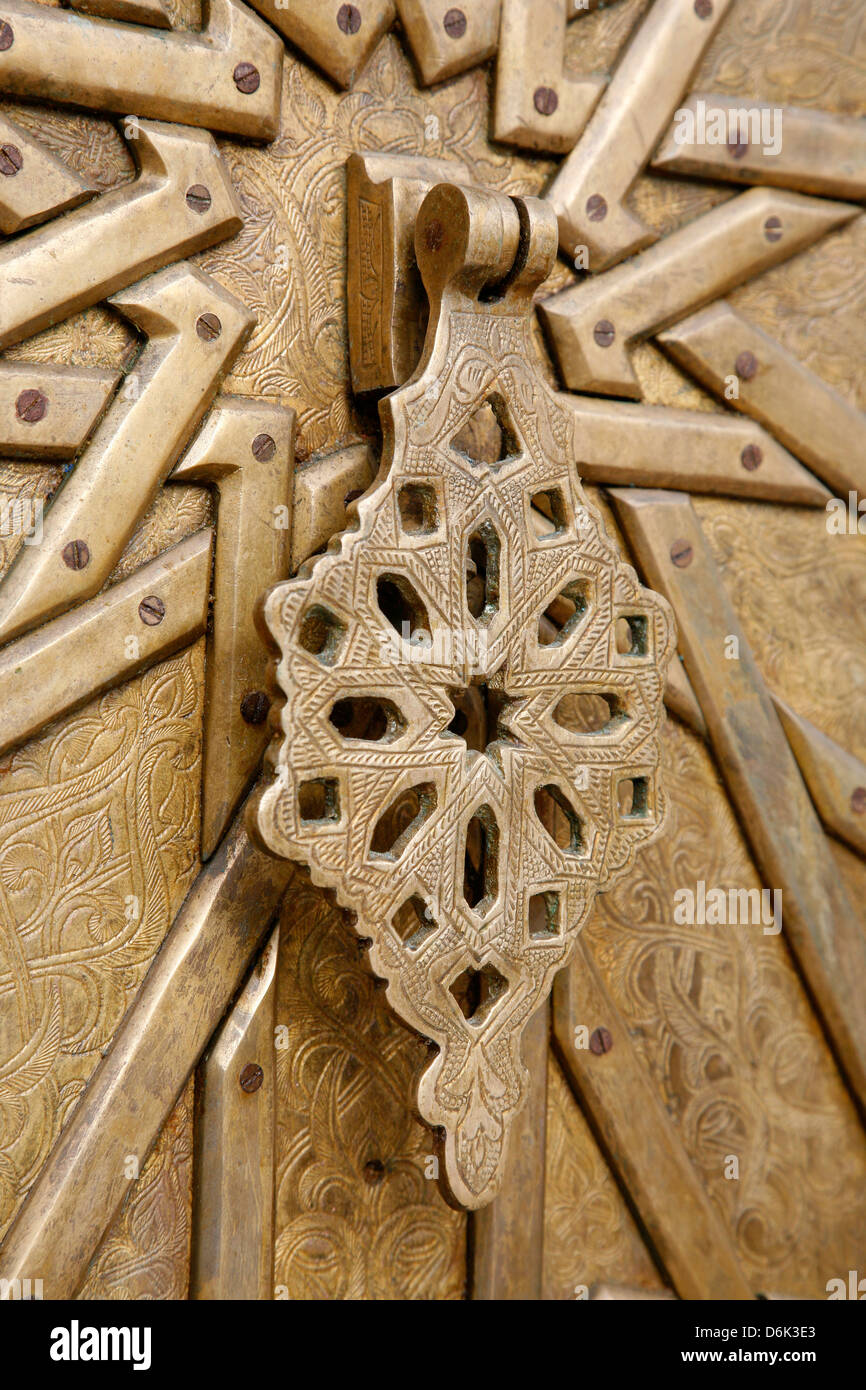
x,y
538,105
102,807
817,152
186,77
233,1229
835,778
161,608
386,299
35,185
415,533
100,811
811,419
175,378
820,921
592,324
445,38
246,448
65,406
201,964
590,189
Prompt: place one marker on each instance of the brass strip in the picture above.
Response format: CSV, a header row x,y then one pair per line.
x,y
508,1235
246,447
591,323
759,768
105,641
171,385
537,105
152,12
619,442
35,184
590,190
339,39
835,778
446,38
681,699
642,1145
181,202
808,416
191,78
324,489
200,965
59,409
233,1204
818,152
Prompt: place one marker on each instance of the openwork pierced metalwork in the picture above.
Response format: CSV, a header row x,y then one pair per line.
x,y
433,662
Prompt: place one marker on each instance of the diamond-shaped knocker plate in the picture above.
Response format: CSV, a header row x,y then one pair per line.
x,y
430,770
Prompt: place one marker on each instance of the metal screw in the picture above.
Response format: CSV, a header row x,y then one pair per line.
x,y
434,235
7,38
374,1170
600,1041
682,553
858,800
746,365
752,457
773,229
198,197
10,160
76,554
454,24
151,610
263,447
545,101
596,208
251,1077
604,333
349,19
738,145
255,707
703,8
31,406
208,327
246,77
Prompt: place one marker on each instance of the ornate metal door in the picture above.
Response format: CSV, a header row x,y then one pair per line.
x,y
432,649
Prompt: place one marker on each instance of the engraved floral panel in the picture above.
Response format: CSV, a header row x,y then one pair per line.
x,y
727,1031
800,595
589,1234
98,846
145,1251
794,52
358,1213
